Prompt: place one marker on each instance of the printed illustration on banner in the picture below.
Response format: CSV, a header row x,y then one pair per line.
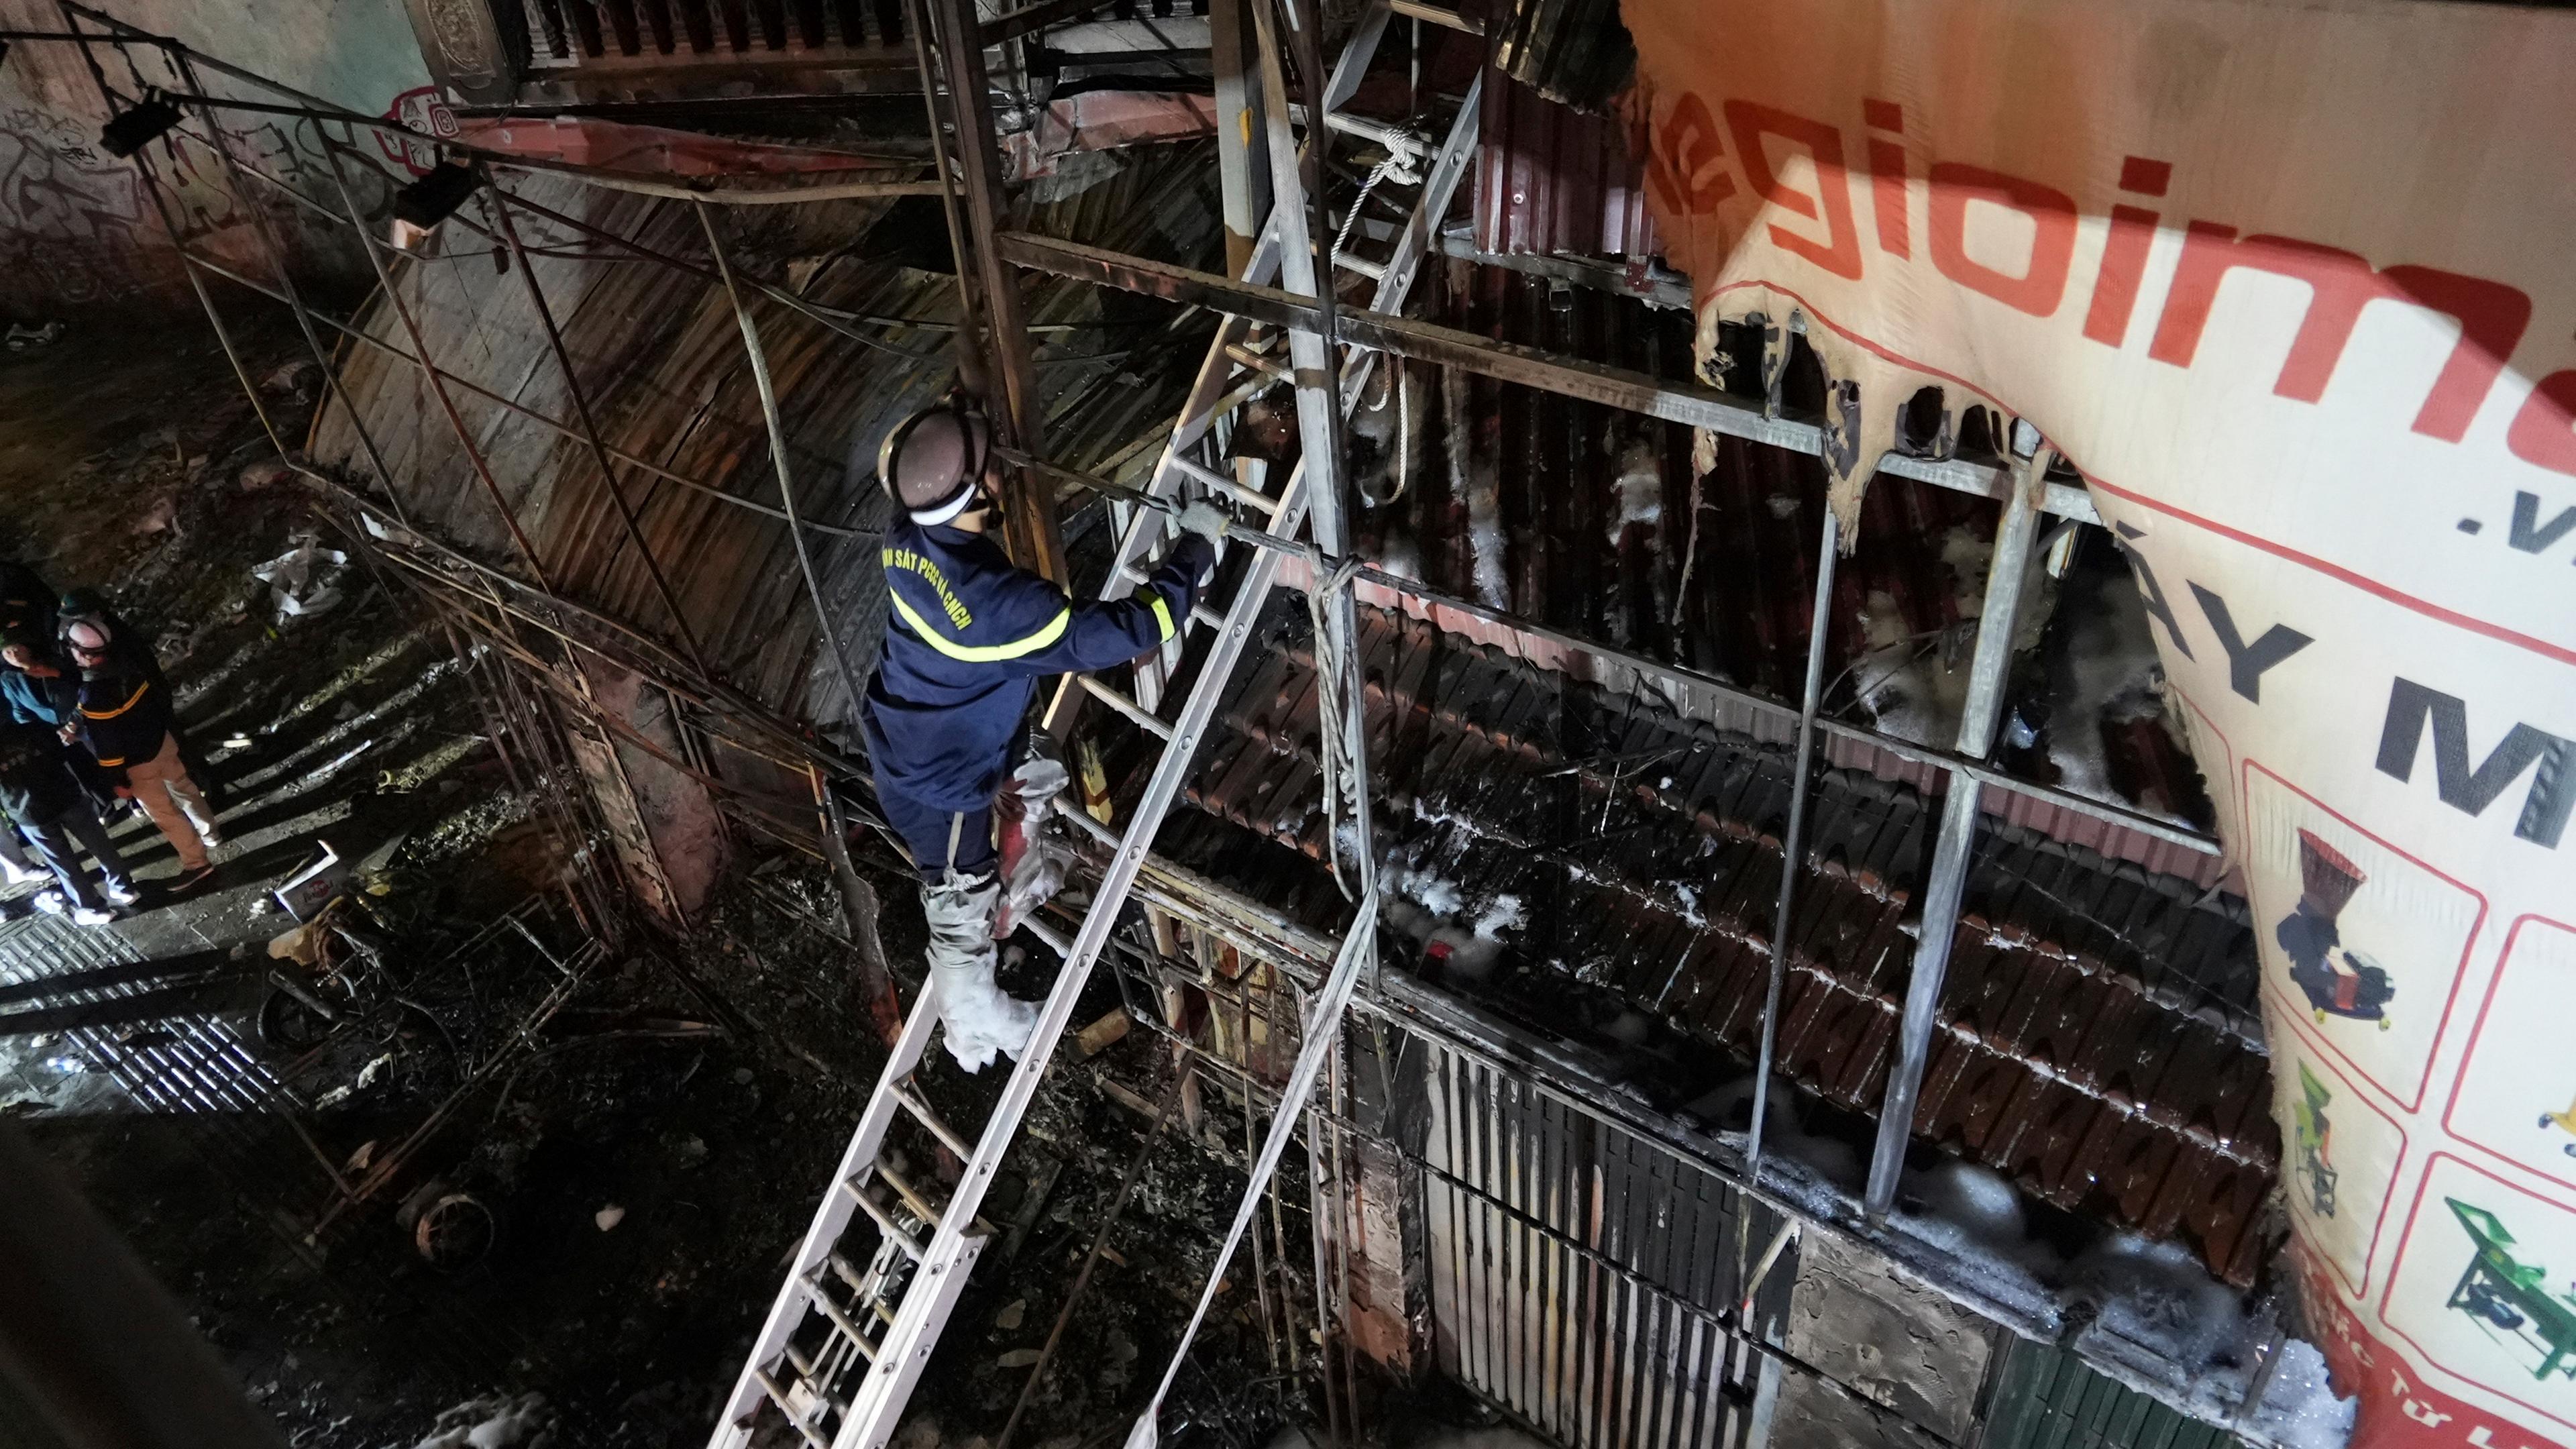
x,y
2371,942
2517,1094
2343,1154
2485,1286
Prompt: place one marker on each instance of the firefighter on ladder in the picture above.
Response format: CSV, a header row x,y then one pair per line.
x,y
967,636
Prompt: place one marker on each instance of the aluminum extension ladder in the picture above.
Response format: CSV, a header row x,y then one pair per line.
x,y
875,1317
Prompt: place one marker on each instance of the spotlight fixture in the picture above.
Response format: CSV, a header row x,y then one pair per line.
x,y
422,205
130,131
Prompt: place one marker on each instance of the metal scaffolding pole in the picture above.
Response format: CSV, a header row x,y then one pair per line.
x,y
509,233
1319,425
420,345
1793,837
1029,524
971,346
1952,851
275,250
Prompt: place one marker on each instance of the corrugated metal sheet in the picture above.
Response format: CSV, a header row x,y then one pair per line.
x,y
2097,1042
2045,1399
1578,1272
1551,179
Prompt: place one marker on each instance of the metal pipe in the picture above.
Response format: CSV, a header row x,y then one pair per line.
x,y
971,366
276,252
590,427
1951,851
1793,836
1029,525
778,456
1565,376
420,345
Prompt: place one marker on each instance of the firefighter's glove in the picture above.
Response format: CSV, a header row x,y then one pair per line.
x,y
1206,520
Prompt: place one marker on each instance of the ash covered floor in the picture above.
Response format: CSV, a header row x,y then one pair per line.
x,y
611,1206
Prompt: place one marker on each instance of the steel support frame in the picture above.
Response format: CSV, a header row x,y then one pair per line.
x,y
504,620
1953,849
1585,381
1029,524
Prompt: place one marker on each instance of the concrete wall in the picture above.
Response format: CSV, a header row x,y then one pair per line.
x,y
1912,1353
78,228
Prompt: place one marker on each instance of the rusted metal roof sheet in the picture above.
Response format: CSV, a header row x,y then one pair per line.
x,y
1553,180
2098,1040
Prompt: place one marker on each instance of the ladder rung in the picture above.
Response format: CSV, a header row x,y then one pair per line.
x,y
848,1272
804,1365
885,1221
1393,138
1071,809
848,1326
921,1113
1256,361
1199,613
1361,265
1060,945
1143,717
778,1396
1416,10
1223,484
912,1198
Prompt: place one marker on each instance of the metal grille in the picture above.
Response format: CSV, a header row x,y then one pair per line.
x,y
192,1062
2045,1399
1577,1270
569,32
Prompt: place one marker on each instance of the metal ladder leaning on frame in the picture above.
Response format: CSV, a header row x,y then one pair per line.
x,y
878,1320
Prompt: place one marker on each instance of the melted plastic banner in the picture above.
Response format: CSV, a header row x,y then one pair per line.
x,y
2292,285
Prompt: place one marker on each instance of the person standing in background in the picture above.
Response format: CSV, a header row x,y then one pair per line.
x,y
45,803
125,718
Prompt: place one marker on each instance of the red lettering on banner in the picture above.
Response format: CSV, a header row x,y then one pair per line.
x,y
2491,316
2052,244
2544,432
1688,166
2124,252
1887,177
1839,252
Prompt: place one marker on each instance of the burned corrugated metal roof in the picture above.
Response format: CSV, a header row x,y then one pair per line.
x,y
2097,1039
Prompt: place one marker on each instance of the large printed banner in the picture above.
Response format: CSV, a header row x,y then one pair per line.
x,y
2295,286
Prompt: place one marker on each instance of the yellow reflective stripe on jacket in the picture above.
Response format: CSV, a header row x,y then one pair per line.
x,y
130,701
984,653
1162,615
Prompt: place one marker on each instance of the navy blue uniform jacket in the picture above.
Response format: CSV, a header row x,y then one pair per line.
x,y
965,641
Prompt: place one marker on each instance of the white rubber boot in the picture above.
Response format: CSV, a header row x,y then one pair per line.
x,y
981,1020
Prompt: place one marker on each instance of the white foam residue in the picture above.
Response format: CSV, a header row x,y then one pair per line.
x,y
2115,678
2160,1296
1689,899
2300,1410
1639,489
1476,481
499,1422
1504,914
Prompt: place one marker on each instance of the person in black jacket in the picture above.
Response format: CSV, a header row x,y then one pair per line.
x,y
46,804
26,601
124,716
